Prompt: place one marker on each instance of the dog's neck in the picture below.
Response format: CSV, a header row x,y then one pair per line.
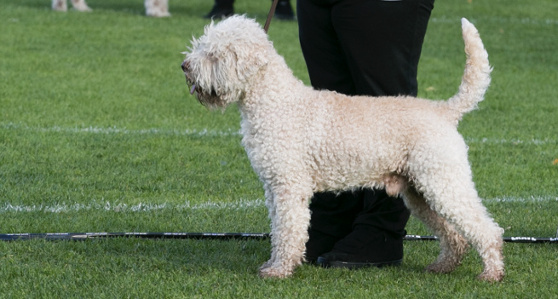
x,y
271,87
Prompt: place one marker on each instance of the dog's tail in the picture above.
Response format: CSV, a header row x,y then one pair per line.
x,y
476,77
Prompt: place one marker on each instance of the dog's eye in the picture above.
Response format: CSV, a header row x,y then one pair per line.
x,y
184,66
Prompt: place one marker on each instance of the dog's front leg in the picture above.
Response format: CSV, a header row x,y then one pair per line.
x,y
290,217
80,5
157,8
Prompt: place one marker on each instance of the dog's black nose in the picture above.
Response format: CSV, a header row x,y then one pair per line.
x,y
184,66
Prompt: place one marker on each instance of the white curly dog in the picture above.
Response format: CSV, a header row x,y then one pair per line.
x,y
301,141
153,8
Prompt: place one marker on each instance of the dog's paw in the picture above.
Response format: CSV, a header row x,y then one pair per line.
x,y
268,271
157,14
441,267
82,6
492,276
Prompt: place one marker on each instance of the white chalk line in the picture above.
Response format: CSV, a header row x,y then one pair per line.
x,y
120,207
509,20
513,141
219,133
122,131
240,205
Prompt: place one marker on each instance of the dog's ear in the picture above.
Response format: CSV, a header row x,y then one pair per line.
x,y
248,63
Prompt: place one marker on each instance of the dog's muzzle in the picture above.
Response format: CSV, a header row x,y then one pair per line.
x,y
185,66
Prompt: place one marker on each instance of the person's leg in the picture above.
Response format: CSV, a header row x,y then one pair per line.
x,y
332,216
284,10
376,234
382,42
322,51
221,9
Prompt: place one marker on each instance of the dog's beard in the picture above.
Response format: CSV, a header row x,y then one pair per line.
x,y
209,100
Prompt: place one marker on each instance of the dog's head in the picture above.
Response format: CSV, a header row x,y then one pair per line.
x,y
221,65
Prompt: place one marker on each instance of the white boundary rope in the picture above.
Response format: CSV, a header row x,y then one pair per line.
x,y
503,20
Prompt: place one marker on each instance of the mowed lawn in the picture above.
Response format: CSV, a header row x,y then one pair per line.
x,y
98,133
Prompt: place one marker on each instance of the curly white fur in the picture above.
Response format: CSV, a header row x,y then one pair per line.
x,y
153,8
302,141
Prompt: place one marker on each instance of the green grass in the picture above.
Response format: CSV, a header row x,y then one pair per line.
x,y
98,133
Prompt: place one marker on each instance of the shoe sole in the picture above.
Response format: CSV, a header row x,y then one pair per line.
x,y
354,265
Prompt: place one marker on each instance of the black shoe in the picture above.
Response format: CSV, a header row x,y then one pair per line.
x,y
318,244
347,261
364,247
284,11
218,12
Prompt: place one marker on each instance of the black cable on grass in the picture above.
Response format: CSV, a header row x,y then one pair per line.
x,y
209,236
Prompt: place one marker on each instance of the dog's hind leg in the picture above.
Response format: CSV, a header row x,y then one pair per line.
x,y
290,217
452,244
471,219
59,5
452,196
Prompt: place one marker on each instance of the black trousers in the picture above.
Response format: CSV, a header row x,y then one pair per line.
x,y
362,47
